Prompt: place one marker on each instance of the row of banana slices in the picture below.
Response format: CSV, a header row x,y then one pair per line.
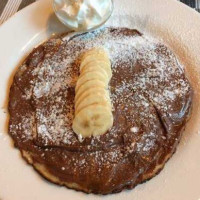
x,y
93,108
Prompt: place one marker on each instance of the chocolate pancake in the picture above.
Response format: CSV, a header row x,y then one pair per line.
x,y
151,103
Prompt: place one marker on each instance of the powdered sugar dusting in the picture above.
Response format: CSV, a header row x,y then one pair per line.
x,y
57,76
27,125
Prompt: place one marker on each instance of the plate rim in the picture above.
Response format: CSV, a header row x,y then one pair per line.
x,y
8,23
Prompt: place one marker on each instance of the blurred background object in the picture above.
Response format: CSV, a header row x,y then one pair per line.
x,y
10,7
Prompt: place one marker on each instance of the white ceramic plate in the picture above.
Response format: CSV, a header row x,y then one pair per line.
x,y
175,24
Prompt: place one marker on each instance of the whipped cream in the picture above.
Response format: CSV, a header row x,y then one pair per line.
x,y
83,15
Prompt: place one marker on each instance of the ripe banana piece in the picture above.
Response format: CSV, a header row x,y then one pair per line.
x,y
89,85
93,120
96,93
94,75
104,65
96,57
93,108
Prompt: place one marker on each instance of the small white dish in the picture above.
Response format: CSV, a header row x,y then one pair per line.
x,y
94,22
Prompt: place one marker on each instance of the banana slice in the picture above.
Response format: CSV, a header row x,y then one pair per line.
x,y
93,120
95,51
90,68
92,99
95,69
94,54
93,108
100,63
90,84
95,91
95,75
